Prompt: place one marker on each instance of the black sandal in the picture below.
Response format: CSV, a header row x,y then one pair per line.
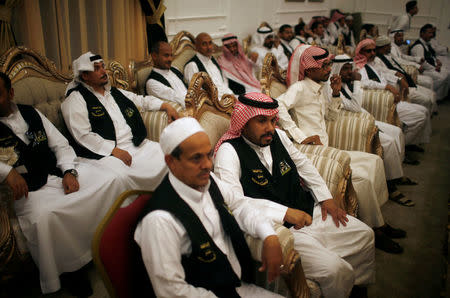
x,y
406,181
386,244
400,198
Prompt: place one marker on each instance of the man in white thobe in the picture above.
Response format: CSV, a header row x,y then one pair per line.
x,y
416,119
165,82
308,104
286,34
336,25
348,32
327,257
107,128
319,37
403,21
300,36
204,61
190,232
263,43
59,200
385,64
237,67
433,67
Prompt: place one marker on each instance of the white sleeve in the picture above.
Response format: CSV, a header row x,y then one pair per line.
x,y
4,170
161,91
75,115
189,70
287,101
159,238
368,83
306,170
228,168
147,103
65,155
418,51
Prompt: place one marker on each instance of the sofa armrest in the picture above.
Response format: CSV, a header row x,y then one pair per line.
x,y
412,71
156,121
380,104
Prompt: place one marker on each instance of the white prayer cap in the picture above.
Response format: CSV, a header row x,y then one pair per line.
x,y
382,40
178,131
349,17
85,63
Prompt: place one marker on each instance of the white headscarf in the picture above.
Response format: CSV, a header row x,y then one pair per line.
x,y
83,63
178,131
260,35
338,63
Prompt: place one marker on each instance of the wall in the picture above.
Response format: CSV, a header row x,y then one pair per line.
x,y
241,17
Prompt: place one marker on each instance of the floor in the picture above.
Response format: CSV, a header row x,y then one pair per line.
x,y
421,270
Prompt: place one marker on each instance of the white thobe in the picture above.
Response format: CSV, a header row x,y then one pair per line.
x,y
402,22
163,262
419,94
441,79
296,41
391,137
58,228
221,83
327,256
309,106
334,30
148,166
277,52
416,118
289,48
176,92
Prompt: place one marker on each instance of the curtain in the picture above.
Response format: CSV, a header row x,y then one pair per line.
x,y
154,15
62,30
7,39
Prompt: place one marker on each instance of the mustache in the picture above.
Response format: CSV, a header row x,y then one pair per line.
x,y
269,134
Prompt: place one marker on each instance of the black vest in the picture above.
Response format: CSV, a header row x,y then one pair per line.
x,y
284,186
236,87
101,122
300,40
200,65
160,78
429,55
399,69
38,159
286,51
207,266
344,92
371,74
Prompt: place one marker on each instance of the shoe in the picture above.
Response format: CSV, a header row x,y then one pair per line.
x,y
410,161
405,181
393,232
386,244
414,148
77,283
400,198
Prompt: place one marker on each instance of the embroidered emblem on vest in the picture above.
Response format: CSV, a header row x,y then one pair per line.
x,y
97,112
260,179
208,255
284,167
129,112
228,208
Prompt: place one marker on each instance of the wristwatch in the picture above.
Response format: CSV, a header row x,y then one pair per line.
x,y
73,172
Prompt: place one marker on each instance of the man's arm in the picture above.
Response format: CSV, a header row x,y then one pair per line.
x,y
163,262
189,70
368,83
286,102
161,91
418,51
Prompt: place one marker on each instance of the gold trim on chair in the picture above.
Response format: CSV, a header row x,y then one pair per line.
x,y
118,76
182,40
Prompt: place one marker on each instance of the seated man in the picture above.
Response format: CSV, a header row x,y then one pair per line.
x,y
236,67
204,61
403,59
336,25
416,118
300,36
433,67
59,201
391,137
349,35
263,43
107,127
198,219
165,82
260,161
286,34
319,37
306,100
384,63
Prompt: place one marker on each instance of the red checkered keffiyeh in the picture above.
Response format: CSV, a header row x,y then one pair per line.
x,y
242,113
360,59
305,57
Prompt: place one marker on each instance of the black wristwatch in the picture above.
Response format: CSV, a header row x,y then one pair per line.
x,y
73,172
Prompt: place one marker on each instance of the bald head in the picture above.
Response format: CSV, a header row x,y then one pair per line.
x,y
203,44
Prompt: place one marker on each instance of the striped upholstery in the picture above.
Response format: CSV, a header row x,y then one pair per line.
x,y
412,71
155,121
380,104
141,76
215,126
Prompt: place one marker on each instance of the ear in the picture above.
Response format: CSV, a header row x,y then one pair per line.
x,y
11,92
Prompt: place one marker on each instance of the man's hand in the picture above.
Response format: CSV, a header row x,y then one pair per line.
x,y
17,183
338,215
122,155
356,76
404,87
400,75
438,68
421,69
172,114
253,56
312,140
70,183
422,60
272,257
298,218
438,63
336,84
394,91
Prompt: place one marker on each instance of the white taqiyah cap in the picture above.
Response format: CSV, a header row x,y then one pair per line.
x,y
178,131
